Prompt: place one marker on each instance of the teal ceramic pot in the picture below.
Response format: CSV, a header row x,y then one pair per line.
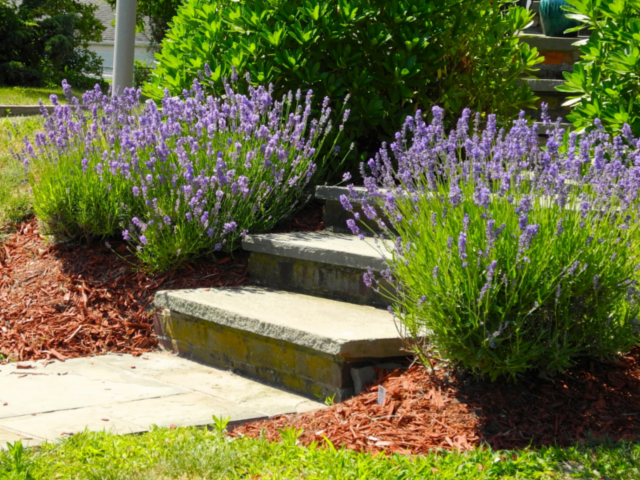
x,y
553,19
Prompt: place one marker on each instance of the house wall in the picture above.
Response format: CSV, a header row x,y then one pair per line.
x,y
105,48
105,51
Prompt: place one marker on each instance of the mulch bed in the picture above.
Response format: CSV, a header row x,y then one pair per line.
x,y
452,410
69,301
308,219
65,301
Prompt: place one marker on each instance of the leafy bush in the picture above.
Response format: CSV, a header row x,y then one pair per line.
x,y
45,41
182,182
390,57
605,82
509,256
141,73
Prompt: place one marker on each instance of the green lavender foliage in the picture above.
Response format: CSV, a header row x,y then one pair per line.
x,y
508,256
181,182
605,83
537,311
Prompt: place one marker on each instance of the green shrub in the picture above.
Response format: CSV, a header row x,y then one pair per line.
x,y
390,57
141,73
179,183
605,83
46,41
509,256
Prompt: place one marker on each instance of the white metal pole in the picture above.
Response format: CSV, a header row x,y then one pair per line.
x,y
124,45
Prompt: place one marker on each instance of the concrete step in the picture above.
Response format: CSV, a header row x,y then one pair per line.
x,y
317,263
535,38
301,343
546,89
544,85
335,216
560,53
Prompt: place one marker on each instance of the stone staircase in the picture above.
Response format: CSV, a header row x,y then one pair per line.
x,y
560,55
306,322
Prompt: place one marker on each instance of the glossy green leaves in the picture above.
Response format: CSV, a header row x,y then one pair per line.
x,y
605,84
393,58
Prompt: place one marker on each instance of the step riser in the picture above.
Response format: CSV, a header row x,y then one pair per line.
x,y
275,362
335,218
555,108
313,278
301,343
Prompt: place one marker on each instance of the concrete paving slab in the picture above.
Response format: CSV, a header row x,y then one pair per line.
x,y
106,393
222,384
179,410
249,394
326,326
56,425
334,249
73,384
152,363
8,436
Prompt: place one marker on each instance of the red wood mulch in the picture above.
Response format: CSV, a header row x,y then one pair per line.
x,y
308,219
70,301
456,411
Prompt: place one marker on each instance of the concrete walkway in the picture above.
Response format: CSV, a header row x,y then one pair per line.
x,y
128,394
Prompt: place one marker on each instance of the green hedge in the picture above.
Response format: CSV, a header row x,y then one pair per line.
x,y
392,58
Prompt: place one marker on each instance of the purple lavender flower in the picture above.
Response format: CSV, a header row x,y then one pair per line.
x,y
482,196
455,196
367,277
229,227
462,247
345,203
353,226
572,269
527,237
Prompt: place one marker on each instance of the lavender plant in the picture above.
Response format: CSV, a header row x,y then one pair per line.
x,y
180,182
508,255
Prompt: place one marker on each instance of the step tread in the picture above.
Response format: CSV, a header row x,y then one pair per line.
x,y
327,326
542,42
333,192
329,248
543,84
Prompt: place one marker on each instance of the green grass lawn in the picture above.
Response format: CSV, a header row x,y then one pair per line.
x,y
30,96
15,197
192,453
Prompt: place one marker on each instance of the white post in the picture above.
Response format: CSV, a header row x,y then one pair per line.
x,y
124,45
